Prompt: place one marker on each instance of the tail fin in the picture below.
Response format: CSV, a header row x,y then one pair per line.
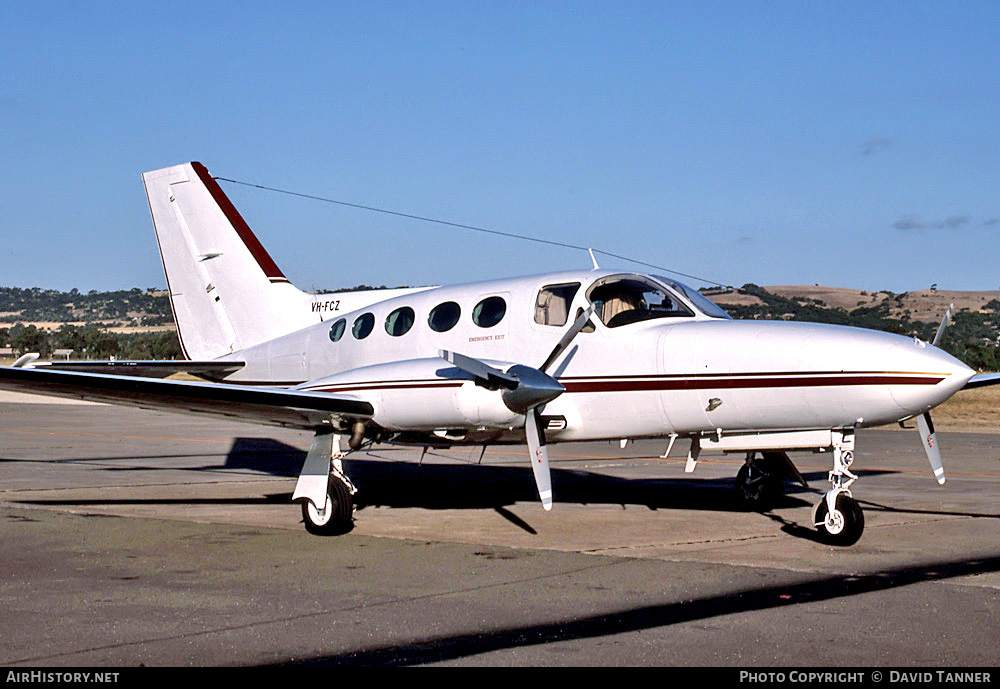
x,y
225,290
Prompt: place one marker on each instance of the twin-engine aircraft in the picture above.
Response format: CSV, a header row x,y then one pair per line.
x,y
569,356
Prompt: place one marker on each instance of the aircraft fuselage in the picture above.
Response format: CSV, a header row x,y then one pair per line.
x,y
690,371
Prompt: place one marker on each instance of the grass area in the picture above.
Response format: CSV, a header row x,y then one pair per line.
x,y
977,409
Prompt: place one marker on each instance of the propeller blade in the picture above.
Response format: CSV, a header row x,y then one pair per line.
x,y
539,457
944,324
929,438
492,378
564,342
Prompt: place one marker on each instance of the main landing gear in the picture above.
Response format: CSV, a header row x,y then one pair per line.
x,y
326,493
337,516
760,482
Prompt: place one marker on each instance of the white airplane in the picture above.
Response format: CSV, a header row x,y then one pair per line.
x,y
568,356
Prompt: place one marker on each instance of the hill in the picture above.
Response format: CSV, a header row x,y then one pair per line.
x,y
920,305
117,311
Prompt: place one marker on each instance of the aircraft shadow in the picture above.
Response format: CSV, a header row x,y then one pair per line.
x,y
441,649
391,483
388,483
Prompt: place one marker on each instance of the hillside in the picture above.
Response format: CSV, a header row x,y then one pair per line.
x,y
118,311
920,305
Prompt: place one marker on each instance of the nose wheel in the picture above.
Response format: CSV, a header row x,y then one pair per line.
x,y
838,516
843,524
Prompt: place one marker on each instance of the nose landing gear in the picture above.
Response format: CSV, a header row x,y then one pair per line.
x,y
838,517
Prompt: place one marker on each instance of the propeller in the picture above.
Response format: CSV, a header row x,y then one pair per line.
x,y
925,425
525,390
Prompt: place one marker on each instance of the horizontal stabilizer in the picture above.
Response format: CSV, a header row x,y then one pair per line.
x,y
269,406
209,370
983,380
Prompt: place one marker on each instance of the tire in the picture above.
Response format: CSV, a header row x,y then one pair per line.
x,y
337,518
842,530
761,492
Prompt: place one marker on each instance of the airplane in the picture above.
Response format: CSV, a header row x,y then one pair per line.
x,y
577,355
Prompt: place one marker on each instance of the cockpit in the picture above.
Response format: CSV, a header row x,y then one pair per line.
x,y
624,299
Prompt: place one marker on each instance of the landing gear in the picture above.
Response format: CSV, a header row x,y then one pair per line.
x,y
841,526
337,516
760,482
838,517
326,493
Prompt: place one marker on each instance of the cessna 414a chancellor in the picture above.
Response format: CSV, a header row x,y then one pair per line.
x,y
569,356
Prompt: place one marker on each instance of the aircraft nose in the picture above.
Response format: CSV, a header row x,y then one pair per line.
x,y
945,375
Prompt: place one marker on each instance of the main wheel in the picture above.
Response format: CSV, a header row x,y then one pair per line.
x,y
757,489
844,525
338,516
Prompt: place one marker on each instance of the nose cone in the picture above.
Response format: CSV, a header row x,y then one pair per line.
x,y
942,375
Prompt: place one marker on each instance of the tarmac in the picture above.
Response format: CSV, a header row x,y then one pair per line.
x,y
141,538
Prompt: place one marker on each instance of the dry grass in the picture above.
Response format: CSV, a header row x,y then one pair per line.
x,y
973,410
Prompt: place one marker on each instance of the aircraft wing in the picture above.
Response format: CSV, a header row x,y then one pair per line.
x,y
209,370
983,380
269,406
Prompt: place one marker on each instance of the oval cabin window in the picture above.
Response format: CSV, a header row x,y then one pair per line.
x,y
489,312
337,330
399,321
443,317
363,326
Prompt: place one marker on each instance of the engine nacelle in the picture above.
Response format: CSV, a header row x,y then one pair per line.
x,y
422,395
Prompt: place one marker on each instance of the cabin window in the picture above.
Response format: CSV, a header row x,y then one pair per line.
x,y
363,325
337,330
399,321
443,317
489,312
620,300
552,303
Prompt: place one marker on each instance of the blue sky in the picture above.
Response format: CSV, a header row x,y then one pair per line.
x,y
847,144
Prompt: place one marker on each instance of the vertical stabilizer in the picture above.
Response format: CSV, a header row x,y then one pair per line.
x,y
225,290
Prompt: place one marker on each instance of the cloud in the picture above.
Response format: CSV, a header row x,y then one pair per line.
x,y
951,223
992,222
875,145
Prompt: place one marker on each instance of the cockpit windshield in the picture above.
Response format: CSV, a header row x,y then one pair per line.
x,y
622,299
700,301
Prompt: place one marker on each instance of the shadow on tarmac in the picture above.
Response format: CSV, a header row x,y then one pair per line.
x,y
447,648
388,482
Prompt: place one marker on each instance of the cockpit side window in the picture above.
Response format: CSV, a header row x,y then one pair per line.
x,y
620,300
553,302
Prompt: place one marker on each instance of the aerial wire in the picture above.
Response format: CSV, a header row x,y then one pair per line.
x,y
473,228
